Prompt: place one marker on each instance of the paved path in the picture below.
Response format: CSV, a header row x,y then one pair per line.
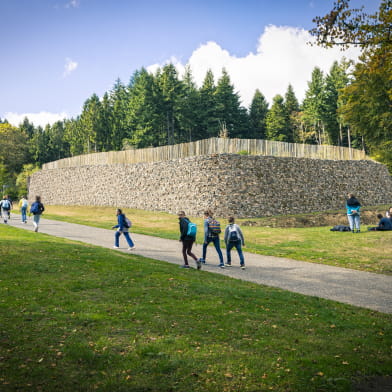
x,y
368,290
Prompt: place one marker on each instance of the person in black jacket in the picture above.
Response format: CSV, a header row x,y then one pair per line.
x,y
384,224
187,241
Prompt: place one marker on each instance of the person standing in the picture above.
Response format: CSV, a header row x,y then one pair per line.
x,y
37,208
23,205
211,234
5,207
122,228
234,238
187,237
353,207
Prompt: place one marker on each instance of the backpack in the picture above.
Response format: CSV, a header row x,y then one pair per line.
x,y
25,203
340,228
6,205
233,234
192,229
35,208
214,226
127,223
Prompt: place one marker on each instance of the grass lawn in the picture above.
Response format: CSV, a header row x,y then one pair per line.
x,y
75,317
367,251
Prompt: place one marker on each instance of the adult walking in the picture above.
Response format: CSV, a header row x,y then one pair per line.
x,y
353,207
211,234
234,238
122,228
37,208
5,208
23,205
187,237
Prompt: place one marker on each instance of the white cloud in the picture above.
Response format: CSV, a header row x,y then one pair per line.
x,y
283,57
41,118
69,67
72,4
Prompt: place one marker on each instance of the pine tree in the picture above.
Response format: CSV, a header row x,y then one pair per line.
x,y
313,106
292,108
277,121
335,81
209,123
257,114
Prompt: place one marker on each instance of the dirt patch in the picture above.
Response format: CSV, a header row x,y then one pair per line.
x,y
316,219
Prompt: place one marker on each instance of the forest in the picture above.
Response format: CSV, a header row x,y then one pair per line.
x,y
351,106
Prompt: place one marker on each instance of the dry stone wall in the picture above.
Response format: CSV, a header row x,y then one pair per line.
x,y
230,184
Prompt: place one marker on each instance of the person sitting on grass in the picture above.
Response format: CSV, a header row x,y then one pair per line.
x,y
384,224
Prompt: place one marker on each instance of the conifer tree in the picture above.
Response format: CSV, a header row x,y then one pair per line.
x,y
257,116
292,109
277,121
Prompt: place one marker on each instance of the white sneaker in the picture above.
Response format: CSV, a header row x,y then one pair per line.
x,y
132,248
116,247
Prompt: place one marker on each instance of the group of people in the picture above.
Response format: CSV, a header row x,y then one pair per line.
x,y
353,207
233,237
36,209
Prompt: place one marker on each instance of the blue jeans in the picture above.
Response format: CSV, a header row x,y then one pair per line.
x,y
127,237
215,241
23,211
354,222
238,246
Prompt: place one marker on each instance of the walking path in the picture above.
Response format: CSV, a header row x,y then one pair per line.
x,y
364,289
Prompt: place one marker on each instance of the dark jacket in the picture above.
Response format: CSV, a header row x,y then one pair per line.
x,y
184,229
41,208
121,224
385,224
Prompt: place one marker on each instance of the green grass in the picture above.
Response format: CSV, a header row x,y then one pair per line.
x,y
75,317
367,251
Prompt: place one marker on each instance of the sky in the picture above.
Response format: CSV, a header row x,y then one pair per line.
x,y
56,53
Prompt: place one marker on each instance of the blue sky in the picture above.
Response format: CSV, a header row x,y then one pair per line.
x,y
57,53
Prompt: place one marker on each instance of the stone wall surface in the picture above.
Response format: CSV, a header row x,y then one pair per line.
x,y
230,184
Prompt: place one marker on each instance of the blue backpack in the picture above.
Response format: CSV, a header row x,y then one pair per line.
x,y
35,208
192,229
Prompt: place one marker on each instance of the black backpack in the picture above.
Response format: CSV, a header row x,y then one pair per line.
x,y
233,234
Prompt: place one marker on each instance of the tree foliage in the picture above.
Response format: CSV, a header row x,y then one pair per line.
x,y
366,101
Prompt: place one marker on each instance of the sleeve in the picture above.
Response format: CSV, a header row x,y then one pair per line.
x,y
206,229
183,228
241,235
226,234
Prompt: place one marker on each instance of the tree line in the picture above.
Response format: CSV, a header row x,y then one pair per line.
x,y
348,106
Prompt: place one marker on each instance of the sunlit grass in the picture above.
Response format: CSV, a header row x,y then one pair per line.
x,y
75,317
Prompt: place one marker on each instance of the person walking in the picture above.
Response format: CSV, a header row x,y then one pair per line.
x,y
211,234
234,238
353,207
23,205
123,225
37,208
5,207
187,237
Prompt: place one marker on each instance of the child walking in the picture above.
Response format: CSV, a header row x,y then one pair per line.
x,y
234,238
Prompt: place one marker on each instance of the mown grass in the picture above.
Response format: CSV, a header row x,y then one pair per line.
x,y
75,317
367,251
